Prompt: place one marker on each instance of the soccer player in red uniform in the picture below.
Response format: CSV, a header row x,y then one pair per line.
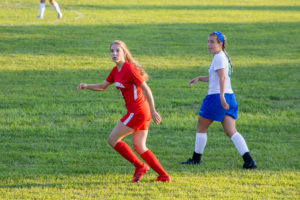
x,y
130,79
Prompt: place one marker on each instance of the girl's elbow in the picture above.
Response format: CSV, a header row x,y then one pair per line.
x,y
223,78
102,87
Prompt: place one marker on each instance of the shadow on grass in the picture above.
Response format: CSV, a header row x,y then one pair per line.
x,y
150,39
14,5
184,7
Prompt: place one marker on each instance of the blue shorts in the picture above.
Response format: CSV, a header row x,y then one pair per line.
x,y
212,108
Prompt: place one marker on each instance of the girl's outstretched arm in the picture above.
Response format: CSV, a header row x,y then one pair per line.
x,y
95,87
199,78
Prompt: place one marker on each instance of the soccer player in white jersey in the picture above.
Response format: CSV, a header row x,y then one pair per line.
x,y
55,6
220,103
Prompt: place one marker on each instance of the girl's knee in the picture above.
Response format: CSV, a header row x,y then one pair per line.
x,y
111,141
139,148
229,132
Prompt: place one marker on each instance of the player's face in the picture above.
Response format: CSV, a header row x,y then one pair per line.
x,y
117,53
213,45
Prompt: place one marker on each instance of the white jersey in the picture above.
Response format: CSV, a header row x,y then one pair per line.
x,y
219,61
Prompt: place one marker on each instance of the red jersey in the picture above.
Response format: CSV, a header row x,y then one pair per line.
x,y
127,81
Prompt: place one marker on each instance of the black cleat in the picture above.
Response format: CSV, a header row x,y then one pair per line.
x,y
191,161
250,165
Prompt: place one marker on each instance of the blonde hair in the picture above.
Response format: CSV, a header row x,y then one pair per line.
x,y
223,47
130,59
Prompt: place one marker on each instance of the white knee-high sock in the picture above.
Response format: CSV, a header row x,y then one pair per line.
x,y
56,7
42,10
239,143
200,142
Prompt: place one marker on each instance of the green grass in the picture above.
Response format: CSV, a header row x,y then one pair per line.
x,y
53,140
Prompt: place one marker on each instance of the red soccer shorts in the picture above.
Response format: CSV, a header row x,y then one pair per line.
x,y
137,120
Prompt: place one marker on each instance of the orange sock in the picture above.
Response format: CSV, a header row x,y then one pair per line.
x,y
128,154
152,161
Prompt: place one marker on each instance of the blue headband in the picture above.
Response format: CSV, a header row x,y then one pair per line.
x,y
220,36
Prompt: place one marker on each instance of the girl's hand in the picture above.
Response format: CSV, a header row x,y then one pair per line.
x,y
156,117
194,80
224,103
81,86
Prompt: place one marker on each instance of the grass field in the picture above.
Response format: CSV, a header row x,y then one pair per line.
x,y
53,139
